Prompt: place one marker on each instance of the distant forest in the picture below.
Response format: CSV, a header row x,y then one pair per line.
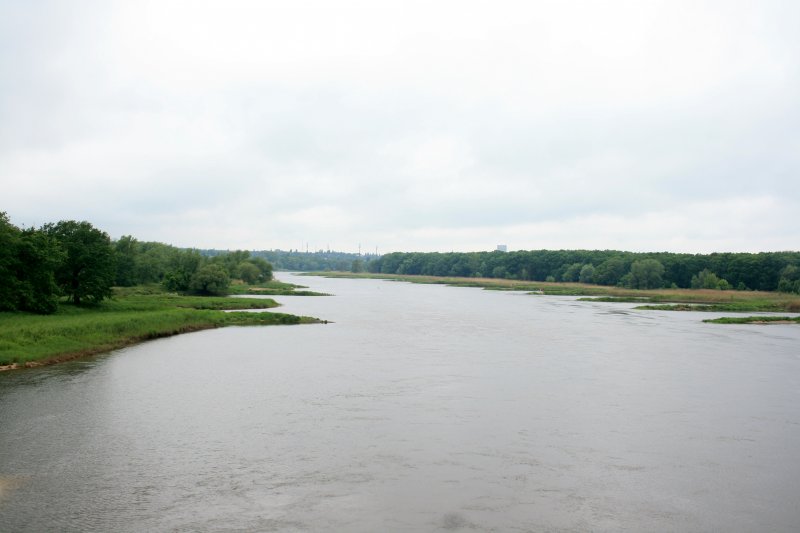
x,y
75,261
768,271
298,261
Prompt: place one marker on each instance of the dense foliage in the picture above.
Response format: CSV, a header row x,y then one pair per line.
x,y
77,261
87,267
767,271
28,260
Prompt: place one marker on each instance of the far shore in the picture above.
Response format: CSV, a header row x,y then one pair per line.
x,y
708,299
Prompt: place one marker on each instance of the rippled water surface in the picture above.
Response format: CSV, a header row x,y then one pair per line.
x,y
420,408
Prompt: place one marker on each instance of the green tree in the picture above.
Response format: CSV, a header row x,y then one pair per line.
x,y
705,279
230,261
610,271
499,272
572,272
210,279
126,250
790,279
182,265
38,255
88,269
9,263
646,274
587,274
27,262
249,273
263,266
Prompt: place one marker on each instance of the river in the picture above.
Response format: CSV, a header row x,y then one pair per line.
x,y
418,408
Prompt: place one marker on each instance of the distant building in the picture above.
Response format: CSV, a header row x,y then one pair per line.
x,y
502,247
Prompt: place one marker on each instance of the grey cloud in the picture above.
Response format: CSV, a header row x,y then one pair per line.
x,y
400,127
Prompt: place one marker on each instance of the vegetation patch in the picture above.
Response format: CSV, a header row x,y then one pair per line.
x,y
131,316
272,288
754,320
729,307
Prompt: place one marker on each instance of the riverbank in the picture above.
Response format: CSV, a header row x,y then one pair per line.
x,y
134,315
692,299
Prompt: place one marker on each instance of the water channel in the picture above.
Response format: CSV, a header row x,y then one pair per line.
x,y
418,408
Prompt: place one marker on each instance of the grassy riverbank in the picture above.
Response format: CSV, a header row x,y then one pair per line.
x,y
686,299
133,315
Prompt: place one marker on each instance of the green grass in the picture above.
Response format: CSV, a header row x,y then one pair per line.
x,y
731,307
754,320
273,288
133,315
730,301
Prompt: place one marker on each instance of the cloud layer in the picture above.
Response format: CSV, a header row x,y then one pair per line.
x,y
406,125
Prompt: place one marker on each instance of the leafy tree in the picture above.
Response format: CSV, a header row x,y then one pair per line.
x,y
183,264
230,261
27,262
705,279
9,243
152,261
38,255
357,266
248,272
610,271
210,279
587,274
572,272
126,250
88,269
499,272
264,267
790,279
645,274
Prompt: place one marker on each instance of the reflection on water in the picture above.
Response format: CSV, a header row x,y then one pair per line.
x,y
420,408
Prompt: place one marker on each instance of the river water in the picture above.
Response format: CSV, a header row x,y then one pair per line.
x,y
419,408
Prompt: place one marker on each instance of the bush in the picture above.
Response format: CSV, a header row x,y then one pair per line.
x,y
211,279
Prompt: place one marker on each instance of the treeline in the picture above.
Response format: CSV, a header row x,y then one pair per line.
x,y
80,263
295,260
185,270
769,271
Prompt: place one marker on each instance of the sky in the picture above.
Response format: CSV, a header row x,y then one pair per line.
x,y
406,125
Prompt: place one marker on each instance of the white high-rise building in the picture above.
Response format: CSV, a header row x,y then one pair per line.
x,y
502,247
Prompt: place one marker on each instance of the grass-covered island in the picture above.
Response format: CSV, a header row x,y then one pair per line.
x,y
754,320
130,316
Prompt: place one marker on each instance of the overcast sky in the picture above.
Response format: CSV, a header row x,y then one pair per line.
x,y
407,126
